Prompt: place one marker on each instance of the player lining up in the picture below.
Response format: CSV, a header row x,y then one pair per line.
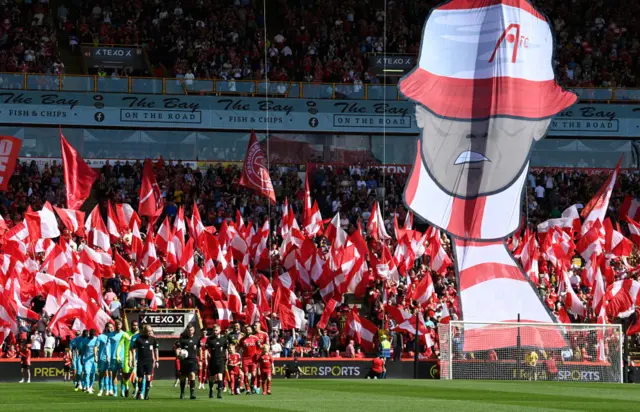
x,y
203,369
145,352
235,373
249,344
124,348
265,362
76,360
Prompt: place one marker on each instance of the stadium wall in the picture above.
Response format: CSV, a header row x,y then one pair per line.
x,y
43,370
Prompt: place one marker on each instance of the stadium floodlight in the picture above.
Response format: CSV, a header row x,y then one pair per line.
x,y
531,351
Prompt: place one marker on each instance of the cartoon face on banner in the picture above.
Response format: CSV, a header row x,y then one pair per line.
x,y
485,92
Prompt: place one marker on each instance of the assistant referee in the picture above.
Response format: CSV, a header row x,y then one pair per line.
x,y
217,354
188,365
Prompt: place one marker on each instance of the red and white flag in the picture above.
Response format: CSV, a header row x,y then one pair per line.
x,y
201,286
126,217
598,287
329,308
597,207
71,219
569,221
634,230
42,224
57,264
78,176
571,300
630,208
312,221
9,151
97,231
123,268
143,291
149,250
334,233
154,272
151,201
254,173
362,330
424,291
112,224
163,237
136,242
375,226
224,314
621,298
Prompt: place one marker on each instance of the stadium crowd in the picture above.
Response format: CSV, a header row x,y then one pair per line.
x,y
353,192
310,41
28,41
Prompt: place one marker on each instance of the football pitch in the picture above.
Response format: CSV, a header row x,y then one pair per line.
x,y
343,396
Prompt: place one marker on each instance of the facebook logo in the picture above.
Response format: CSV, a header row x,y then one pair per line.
x,y
99,117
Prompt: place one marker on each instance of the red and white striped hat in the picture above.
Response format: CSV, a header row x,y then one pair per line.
x,y
485,58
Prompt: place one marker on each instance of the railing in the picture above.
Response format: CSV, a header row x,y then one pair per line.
x,y
157,85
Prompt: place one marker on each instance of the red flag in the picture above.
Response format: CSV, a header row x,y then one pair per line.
x,y
78,176
597,207
326,314
9,151
254,173
151,202
563,316
283,308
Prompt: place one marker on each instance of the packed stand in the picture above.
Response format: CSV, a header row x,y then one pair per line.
x,y
328,41
424,285
28,40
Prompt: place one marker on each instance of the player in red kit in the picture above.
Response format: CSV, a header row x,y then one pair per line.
x,y
262,335
67,365
177,368
233,365
203,362
250,347
265,362
263,339
25,360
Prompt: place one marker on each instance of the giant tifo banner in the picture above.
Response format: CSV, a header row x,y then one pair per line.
x,y
44,370
246,113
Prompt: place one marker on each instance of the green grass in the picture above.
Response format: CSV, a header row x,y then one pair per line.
x,y
344,396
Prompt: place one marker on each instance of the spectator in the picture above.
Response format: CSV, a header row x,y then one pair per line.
x,y
325,344
36,344
50,344
276,348
114,308
351,350
109,296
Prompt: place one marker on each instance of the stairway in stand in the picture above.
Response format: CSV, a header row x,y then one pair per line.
x,y
72,61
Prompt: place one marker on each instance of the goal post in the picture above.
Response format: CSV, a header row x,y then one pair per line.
x,y
531,351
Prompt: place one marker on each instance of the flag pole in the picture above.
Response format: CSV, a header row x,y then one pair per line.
x,y
416,345
518,348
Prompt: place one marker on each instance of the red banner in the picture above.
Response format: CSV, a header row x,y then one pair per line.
x,y
9,151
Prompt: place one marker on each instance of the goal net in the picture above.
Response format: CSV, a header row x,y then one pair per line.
x,y
531,351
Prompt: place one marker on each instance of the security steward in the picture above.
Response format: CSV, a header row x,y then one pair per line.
x,y
217,354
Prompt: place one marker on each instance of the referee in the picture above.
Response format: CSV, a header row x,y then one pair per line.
x,y
217,355
188,365
145,350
